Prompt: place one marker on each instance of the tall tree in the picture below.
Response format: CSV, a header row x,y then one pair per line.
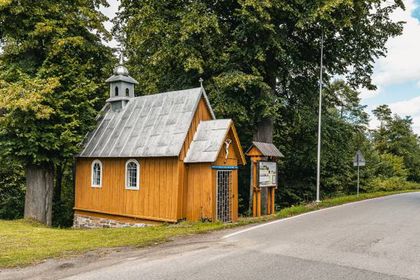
x,y
52,67
344,127
254,53
260,59
395,136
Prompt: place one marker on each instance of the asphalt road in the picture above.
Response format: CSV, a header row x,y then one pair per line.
x,y
375,239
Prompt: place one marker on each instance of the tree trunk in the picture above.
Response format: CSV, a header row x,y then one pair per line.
x,y
265,126
264,131
263,134
39,193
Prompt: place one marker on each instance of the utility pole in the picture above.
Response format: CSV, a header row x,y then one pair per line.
x,y
358,179
318,169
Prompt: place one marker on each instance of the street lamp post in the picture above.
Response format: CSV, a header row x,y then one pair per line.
x,y
318,169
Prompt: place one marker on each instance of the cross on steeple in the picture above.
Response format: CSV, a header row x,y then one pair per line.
x,y
201,82
121,85
121,57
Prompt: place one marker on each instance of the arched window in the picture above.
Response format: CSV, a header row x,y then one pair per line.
x,y
116,91
96,174
127,92
132,174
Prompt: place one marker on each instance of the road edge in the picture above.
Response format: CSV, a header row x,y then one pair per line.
x,y
279,220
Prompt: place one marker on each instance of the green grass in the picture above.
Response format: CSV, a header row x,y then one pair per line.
x,y
24,242
330,202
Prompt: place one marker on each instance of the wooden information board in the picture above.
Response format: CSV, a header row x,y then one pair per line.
x,y
267,174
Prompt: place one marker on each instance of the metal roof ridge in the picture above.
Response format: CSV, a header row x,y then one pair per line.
x,y
166,92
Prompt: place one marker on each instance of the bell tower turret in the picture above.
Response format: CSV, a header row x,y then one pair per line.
x,y
121,87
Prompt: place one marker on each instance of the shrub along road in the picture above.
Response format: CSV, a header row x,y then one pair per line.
x,y
374,239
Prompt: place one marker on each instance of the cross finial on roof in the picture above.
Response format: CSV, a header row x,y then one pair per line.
x,y
201,82
121,57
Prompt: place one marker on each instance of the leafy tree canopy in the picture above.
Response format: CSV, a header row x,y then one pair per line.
x,y
260,59
52,68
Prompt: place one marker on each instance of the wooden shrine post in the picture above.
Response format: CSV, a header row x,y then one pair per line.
x,y
264,177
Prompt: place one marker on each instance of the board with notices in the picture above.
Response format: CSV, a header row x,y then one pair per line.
x,y
267,174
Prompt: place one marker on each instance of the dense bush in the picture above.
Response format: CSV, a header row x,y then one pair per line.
x,y
12,191
392,184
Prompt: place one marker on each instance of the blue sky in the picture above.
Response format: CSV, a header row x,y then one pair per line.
x,y
397,75
416,11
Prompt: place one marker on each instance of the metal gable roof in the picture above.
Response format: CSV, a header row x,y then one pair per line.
x,y
266,149
207,141
117,78
149,126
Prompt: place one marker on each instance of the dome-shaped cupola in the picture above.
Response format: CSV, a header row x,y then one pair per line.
x,y
121,70
121,87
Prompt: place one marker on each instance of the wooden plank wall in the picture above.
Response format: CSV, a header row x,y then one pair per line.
x,y
200,192
201,186
202,114
232,160
169,189
156,198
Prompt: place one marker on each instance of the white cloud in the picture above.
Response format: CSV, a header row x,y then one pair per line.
x,y
404,108
374,123
416,126
366,94
110,12
400,64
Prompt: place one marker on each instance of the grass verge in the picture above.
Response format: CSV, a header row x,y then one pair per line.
x,y
24,242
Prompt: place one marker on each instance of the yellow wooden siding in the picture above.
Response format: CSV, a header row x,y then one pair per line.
x,y
232,160
201,186
202,114
156,198
254,152
170,190
200,192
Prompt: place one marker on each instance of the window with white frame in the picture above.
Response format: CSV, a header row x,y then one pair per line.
x,y
132,174
96,174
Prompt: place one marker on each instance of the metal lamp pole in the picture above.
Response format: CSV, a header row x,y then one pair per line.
x,y
358,179
318,171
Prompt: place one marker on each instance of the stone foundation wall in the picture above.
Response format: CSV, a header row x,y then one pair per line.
x,y
83,221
